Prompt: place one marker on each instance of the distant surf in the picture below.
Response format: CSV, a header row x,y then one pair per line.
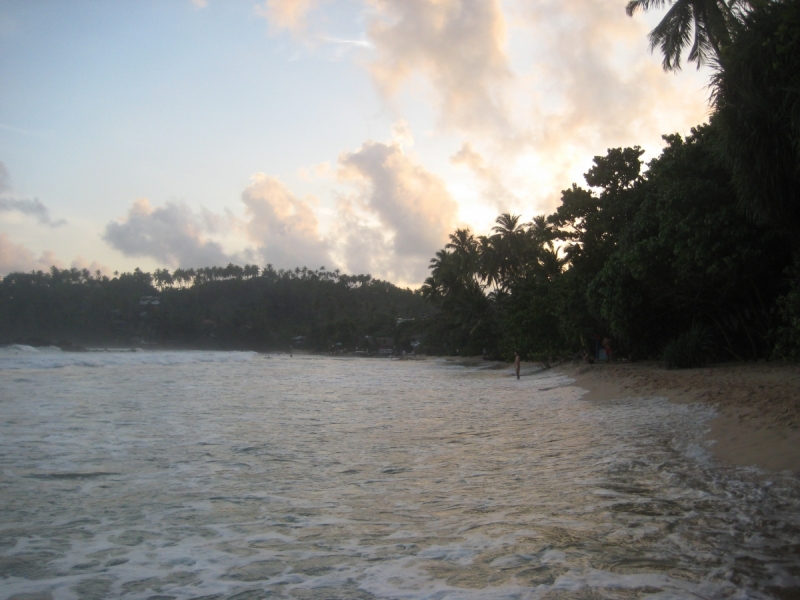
x,y
18,356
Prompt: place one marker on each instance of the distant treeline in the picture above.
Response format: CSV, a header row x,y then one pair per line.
x,y
216,307
695,259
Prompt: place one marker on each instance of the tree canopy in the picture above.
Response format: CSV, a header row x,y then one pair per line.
x,y
644,256
219,307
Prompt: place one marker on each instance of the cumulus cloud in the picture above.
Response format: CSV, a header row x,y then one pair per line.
x,y
596,84
494,190
413,207
458,45
363,246
277,228
283,227
393,217
172,234
18,258
587,83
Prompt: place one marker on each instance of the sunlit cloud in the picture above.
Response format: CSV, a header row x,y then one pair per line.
x,y
363,246
278,228
491,182
581,81
321,170
289,15
457,45
283,227
401,133
413,206
594,85
18,258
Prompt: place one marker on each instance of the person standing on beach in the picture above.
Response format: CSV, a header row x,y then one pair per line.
x,y
607,348
516,363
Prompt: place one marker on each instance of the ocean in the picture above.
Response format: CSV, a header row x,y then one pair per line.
x,y
236,475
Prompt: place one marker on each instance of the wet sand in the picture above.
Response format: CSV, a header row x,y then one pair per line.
x,y
758,404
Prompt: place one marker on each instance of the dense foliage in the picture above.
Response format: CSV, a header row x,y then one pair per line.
x,y
757,101
647,258
697,258
225,307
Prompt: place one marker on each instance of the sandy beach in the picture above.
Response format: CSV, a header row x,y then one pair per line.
x,y
758,404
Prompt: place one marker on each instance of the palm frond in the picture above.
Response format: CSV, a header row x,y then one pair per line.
x,y
673,34
644,5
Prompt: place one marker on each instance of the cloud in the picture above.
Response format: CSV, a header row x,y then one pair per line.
x,y
596,85
492,182
283,227
584,82
413,207
322,170
401,133
33,208
92,266
200,3
287,15
458,45
394,217
18,258
173,235
362,247
278,228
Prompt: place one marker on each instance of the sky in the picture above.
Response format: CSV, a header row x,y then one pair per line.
x,y
345,134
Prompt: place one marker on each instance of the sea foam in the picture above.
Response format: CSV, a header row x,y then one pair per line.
x,y
20,356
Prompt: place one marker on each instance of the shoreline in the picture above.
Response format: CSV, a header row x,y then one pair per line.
x,y
758,404
757,421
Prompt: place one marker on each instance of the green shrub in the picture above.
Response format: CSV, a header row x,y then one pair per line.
x,y
687,351
787,335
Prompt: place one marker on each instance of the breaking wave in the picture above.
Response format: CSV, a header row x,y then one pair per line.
x,y
19,356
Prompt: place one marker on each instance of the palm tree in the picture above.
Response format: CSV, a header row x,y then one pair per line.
x,y
505,254
705,24
507,224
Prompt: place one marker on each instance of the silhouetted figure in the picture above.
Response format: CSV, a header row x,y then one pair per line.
x,y
607,348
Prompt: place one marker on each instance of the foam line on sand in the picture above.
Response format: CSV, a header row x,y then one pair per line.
x,y
758,404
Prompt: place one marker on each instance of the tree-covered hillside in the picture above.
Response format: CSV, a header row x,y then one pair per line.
x,y
230,307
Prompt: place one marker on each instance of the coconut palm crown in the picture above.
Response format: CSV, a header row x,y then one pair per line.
x,y
705,24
